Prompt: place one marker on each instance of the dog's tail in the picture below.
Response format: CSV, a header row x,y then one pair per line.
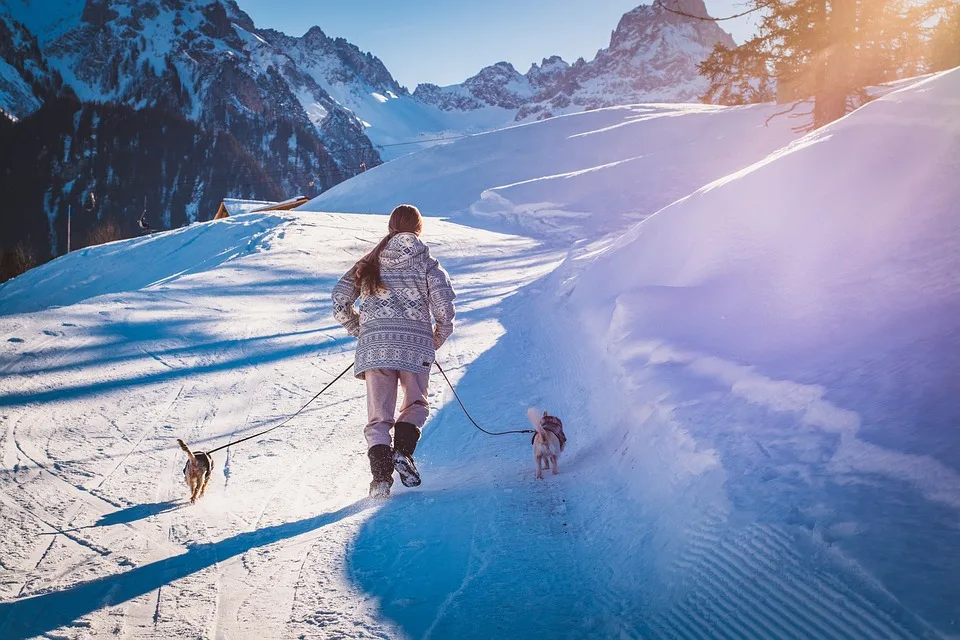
x,y
183,445
533,415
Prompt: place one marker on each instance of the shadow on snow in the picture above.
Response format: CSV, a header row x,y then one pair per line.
x,y
44,613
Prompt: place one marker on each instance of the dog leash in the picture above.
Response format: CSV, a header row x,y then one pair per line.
x,y
467,413
343,373
256,435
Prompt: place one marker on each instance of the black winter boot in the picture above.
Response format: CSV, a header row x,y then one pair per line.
x,y
381,467
405,437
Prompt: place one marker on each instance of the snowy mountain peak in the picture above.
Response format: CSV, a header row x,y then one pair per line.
x,y
646,23
548,74
314,35
498,85
553,64
691,7
207,61
500,68
257,97
335,61
652,57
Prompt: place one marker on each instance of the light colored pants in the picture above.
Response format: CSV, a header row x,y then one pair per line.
x,y
382,402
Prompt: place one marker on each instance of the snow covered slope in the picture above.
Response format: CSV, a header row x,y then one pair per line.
x,y
766,367
757,384
208,333
227,332
793,332
580,175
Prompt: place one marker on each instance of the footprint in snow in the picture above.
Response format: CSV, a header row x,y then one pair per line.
x,y
14,339
47,332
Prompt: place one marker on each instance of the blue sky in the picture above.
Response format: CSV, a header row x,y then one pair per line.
x,y
447,41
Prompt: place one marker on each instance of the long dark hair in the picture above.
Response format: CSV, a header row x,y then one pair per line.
x,y
405,219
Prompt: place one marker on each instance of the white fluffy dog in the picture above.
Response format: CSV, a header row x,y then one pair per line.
x,y
548,441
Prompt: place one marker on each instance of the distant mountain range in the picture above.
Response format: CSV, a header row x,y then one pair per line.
x,y
652,57
251,112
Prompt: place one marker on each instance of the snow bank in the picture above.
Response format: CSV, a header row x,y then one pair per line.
x,y
585,173
853,227
134,264
788,343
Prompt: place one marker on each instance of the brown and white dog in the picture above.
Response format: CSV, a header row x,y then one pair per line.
x,y
548,441
197,471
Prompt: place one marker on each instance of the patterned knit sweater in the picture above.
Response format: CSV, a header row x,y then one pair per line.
x,y
394,326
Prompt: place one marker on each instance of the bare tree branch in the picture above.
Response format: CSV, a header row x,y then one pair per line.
x,y
789,110
659,3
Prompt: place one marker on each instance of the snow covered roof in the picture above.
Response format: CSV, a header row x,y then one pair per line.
x,y
236,206
289,203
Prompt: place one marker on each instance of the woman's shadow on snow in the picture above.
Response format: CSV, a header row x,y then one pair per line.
x,y
44,613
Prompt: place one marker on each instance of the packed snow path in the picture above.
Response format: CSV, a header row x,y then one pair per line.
x,y
208,334
217,330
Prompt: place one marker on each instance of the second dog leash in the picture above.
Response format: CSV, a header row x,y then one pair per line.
x,y
343,373
329,384
467,413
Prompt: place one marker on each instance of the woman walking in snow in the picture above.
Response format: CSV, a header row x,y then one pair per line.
x,y
399,285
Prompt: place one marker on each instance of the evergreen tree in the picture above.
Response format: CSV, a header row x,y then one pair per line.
x,y
825,50
945,44
738,76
